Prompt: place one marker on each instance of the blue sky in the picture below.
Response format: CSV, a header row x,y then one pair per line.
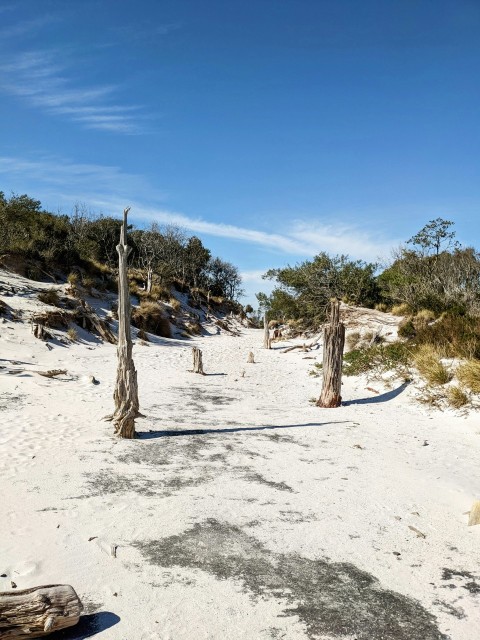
x,y
273,129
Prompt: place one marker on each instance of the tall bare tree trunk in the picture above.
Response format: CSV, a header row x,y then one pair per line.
x,y
333,343
126,390
267,343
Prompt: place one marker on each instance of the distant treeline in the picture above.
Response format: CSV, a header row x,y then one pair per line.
x,y
162,255
431,272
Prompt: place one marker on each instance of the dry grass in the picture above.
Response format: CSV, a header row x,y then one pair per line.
x,y
429,365
50,296
175,304
150,317
469,375
381,306
353,340
456,397
72,334
401,310
424,316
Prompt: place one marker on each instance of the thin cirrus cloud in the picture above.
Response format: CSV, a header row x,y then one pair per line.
x,y
66,182
37,77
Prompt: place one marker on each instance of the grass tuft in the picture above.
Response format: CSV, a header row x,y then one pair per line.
x,y
430,367
469,375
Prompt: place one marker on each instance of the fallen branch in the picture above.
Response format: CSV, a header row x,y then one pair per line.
x,y
52,373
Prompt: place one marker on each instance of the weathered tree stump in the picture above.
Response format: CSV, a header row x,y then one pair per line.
x,y
267,343
126,390
333,343
251,358
474,516
36,612
197,361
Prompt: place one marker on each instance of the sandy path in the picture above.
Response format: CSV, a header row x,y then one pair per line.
x,y
242,511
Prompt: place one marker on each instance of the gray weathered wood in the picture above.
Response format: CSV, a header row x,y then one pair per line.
x,y
474,517
197,361
36,612
126,388
267,343
333,344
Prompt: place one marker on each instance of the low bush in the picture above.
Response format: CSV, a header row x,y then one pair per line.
x,y
379,358
469,375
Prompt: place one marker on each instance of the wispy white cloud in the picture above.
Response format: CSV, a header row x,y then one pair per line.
x,y
26,27
38,77
109,189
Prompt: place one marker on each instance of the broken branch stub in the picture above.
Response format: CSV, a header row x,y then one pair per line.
x,y
197,361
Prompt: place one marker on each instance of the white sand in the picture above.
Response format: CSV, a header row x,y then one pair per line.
x,y
301,487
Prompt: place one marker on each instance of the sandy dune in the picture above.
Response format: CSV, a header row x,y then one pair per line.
x,y
242,511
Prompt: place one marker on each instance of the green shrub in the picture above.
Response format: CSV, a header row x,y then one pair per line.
x,y
406,329
379,358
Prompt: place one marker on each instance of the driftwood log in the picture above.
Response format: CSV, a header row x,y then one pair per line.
x,y
333,343
126,389
197,361
36,612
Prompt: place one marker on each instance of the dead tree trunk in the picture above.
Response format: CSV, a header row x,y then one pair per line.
x,y
33,613
267,343
197,361
333,343
149,280
126,389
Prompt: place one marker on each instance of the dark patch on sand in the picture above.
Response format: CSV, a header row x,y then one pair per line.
x,y
335,599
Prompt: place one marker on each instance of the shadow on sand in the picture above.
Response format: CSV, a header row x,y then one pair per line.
x,y
200,432
383,397
88,626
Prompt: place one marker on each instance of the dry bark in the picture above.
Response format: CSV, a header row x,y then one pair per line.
x,y
36,612
197,361
126,388
474,517
267,343
333,343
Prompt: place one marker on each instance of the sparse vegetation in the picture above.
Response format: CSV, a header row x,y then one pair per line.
x,y
150,317
50,296
469,375
457,398
377,359
428,362
72,334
